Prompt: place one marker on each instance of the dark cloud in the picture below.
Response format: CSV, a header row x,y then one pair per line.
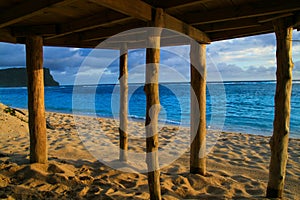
x,y
237,59
12,55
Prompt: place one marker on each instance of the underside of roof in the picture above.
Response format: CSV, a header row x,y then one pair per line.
x,y
86,23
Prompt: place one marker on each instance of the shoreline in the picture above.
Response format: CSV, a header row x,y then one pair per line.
x,y
132,119
237,164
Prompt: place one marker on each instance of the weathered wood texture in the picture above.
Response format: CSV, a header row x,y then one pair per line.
x,y
28,9
153,106
244,11
36,106
198,109
280,138
90,20
181,27
123,103
134,8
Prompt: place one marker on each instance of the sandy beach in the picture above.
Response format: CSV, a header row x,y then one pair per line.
x,y
237,163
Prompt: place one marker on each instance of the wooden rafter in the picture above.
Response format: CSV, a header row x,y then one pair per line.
x,y
6,36
230,25
28,9
177,25
92,22
241,32
174,4
132,8
67,42
179,5
260,8
44,30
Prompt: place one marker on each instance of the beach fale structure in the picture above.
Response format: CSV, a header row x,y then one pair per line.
x,y
86,23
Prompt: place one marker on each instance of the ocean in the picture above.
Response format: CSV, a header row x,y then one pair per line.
x,y
242,107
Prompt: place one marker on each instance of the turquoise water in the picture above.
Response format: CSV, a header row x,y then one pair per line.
x,y
246,107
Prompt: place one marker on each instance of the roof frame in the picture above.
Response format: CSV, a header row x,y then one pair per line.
x,y
260,8
133,7
28,9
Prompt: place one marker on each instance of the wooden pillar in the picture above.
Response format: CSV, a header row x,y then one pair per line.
x,y
153,107
36,106
198,109
123,103
279,140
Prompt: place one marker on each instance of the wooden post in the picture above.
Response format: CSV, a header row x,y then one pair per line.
x,y
279,140
123,103
153,107
198,108
36,106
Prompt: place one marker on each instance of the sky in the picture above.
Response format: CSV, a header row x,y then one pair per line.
x,y
242,59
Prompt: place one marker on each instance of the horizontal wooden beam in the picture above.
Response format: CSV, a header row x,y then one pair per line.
x,y
263,29
171,4
104,33
257,9
230,25
92,35
92,22
28,9
134,8
174,5
239,24
177,25
107,44
276,17
5,36
54,31
143,11
44,30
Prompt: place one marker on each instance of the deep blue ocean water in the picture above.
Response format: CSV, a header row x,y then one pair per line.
x,y
245,107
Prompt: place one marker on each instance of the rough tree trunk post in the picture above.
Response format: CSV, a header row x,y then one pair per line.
x,y
279,140
123,103
36,106
153,107
198,108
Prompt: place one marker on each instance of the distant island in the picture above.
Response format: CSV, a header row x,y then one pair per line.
x,y
17,77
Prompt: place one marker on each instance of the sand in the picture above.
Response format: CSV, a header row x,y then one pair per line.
x,y
237,163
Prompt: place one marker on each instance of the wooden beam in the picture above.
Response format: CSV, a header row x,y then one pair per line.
x,y
263,29
123,79
174,4
103,33
153,106
227,26
43,30
134,8
281,129
6,36
36,105
28,9
177,25
198,109
115,45
180,4
270,19
260,8
89,23
98,35
64,41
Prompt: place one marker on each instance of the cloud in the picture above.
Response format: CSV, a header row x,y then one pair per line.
x,y
231,72
250,58
12,55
